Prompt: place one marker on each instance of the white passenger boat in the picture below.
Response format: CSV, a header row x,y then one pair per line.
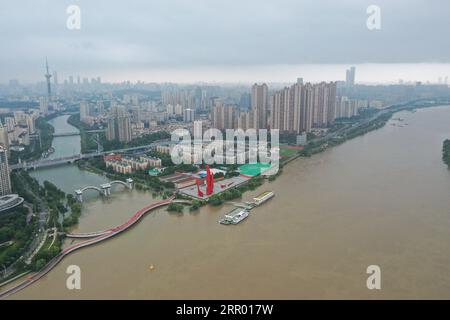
x,y
263,197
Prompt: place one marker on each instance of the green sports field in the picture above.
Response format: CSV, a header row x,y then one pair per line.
x,y
254,169
285,152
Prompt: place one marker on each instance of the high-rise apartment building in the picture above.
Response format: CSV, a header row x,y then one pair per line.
x,y
347,108
119,128
100,107
19,116
246,120
224,117
178,110
118,111
242,121
306,111
324,102
30,124
111,128
84,110
5,181
43,105
350,76
287,108
124,129
188,115
280,104
4,139
259,104
136,113
10,123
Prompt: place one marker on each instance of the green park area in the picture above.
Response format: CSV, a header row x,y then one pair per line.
x,y
288,152
254,169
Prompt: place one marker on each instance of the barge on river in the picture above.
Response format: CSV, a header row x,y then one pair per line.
x,y
242,211
263,197
235,216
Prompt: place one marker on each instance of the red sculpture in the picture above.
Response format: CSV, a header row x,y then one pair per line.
x,y
199,192
209,181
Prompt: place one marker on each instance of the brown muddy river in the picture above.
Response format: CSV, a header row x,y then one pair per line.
x,y
383,199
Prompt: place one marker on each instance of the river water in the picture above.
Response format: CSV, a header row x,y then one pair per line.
x,y
64,146
380,199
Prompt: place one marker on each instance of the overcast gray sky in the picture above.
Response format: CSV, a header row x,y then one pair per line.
x,y
215,40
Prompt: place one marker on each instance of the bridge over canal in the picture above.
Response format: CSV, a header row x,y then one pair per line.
x,y
103,189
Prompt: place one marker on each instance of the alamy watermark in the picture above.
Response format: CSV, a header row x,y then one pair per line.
x,y
239,147
374,280
73,281
73,21
373,21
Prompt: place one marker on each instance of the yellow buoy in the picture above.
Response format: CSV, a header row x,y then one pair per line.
x,y
151,268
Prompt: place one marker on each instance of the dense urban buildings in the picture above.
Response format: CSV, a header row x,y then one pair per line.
x,y
300,107
347,108
126,164
293,109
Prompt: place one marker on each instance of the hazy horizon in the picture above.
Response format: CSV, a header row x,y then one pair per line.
x,y
365,74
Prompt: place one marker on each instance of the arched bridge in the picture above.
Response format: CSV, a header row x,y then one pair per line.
x,y
105,232
104,189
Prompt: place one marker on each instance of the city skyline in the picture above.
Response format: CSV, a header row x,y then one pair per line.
x,y
367,73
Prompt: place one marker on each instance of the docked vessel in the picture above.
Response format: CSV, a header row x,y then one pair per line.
x,y
235,216
263,197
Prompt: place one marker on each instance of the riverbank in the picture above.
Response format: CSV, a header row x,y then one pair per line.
x,y
365,125
31,251
37,146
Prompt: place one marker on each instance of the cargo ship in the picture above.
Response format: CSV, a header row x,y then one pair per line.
x,y
235,216
263,197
